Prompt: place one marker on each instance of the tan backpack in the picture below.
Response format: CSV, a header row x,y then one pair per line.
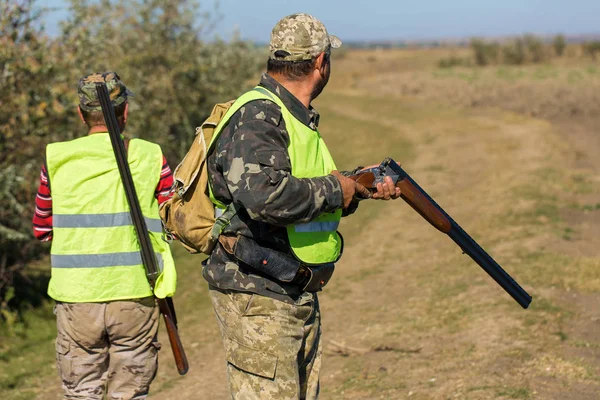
x,y
190,214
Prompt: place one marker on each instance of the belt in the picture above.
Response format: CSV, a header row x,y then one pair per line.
x,y
277,264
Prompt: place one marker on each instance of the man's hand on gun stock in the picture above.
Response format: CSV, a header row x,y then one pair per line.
x,y
351,188
354,190
385,191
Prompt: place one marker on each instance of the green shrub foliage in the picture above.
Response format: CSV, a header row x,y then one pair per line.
x,y
560,44
592,48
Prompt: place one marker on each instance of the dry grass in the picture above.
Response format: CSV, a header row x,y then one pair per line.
x,y
565,88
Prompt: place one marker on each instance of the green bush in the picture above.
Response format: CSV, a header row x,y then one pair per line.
x,y
591,48
452,61
521,50
484,53
535,48
560,44
514,53
29,112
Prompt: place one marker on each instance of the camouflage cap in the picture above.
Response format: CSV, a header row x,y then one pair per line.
x,y
88,97
300,37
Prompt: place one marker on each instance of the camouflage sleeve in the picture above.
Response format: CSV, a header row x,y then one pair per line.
x,y
350,173
354,204
255,164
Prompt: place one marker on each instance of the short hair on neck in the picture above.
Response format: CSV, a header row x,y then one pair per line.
x,y
96,118
294,70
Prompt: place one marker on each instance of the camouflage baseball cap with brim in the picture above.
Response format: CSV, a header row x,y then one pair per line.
x,y
88,97
300,37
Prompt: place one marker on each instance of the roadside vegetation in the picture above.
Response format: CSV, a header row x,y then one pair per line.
x,y
520,50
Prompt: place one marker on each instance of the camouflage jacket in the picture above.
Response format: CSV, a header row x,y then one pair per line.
x,y
250,167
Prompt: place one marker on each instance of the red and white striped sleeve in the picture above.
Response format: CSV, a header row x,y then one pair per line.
x,y
164,188
42,218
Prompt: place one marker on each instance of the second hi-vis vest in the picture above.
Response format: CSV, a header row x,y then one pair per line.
x,y
315,242
95,253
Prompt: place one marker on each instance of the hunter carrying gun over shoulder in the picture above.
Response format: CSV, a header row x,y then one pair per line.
x,y
106,312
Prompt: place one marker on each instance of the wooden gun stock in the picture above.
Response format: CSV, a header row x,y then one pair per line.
x,y
413,196
177,347
420,201
420,204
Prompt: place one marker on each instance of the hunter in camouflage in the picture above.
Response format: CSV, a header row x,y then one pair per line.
x,y
271,329
251,165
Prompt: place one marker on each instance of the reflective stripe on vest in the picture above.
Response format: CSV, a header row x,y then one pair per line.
x,y
101,260
315,242
317,227
102,221
95,254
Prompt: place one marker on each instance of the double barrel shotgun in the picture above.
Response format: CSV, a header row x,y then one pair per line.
x,y
420,201
166,306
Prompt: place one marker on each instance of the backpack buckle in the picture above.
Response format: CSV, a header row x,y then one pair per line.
x,y
168,237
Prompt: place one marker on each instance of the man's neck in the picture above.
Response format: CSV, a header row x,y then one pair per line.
x,y
300,89
98,129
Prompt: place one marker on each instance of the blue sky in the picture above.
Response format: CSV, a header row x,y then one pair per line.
x,y
400,19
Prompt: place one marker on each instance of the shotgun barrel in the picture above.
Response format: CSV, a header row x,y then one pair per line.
x,y
421,202
147,252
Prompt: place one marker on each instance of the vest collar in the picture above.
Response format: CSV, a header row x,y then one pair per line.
x,y
308,116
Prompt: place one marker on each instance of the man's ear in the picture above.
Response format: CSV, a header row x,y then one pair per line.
x,y
80,115
320,63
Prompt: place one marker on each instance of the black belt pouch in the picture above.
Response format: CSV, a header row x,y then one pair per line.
x,y
279,265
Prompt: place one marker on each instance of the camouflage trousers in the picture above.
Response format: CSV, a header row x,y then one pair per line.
x,y
273,348
107,348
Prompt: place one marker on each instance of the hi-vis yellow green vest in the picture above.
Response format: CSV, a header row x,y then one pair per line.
x,y
315,242
95,254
